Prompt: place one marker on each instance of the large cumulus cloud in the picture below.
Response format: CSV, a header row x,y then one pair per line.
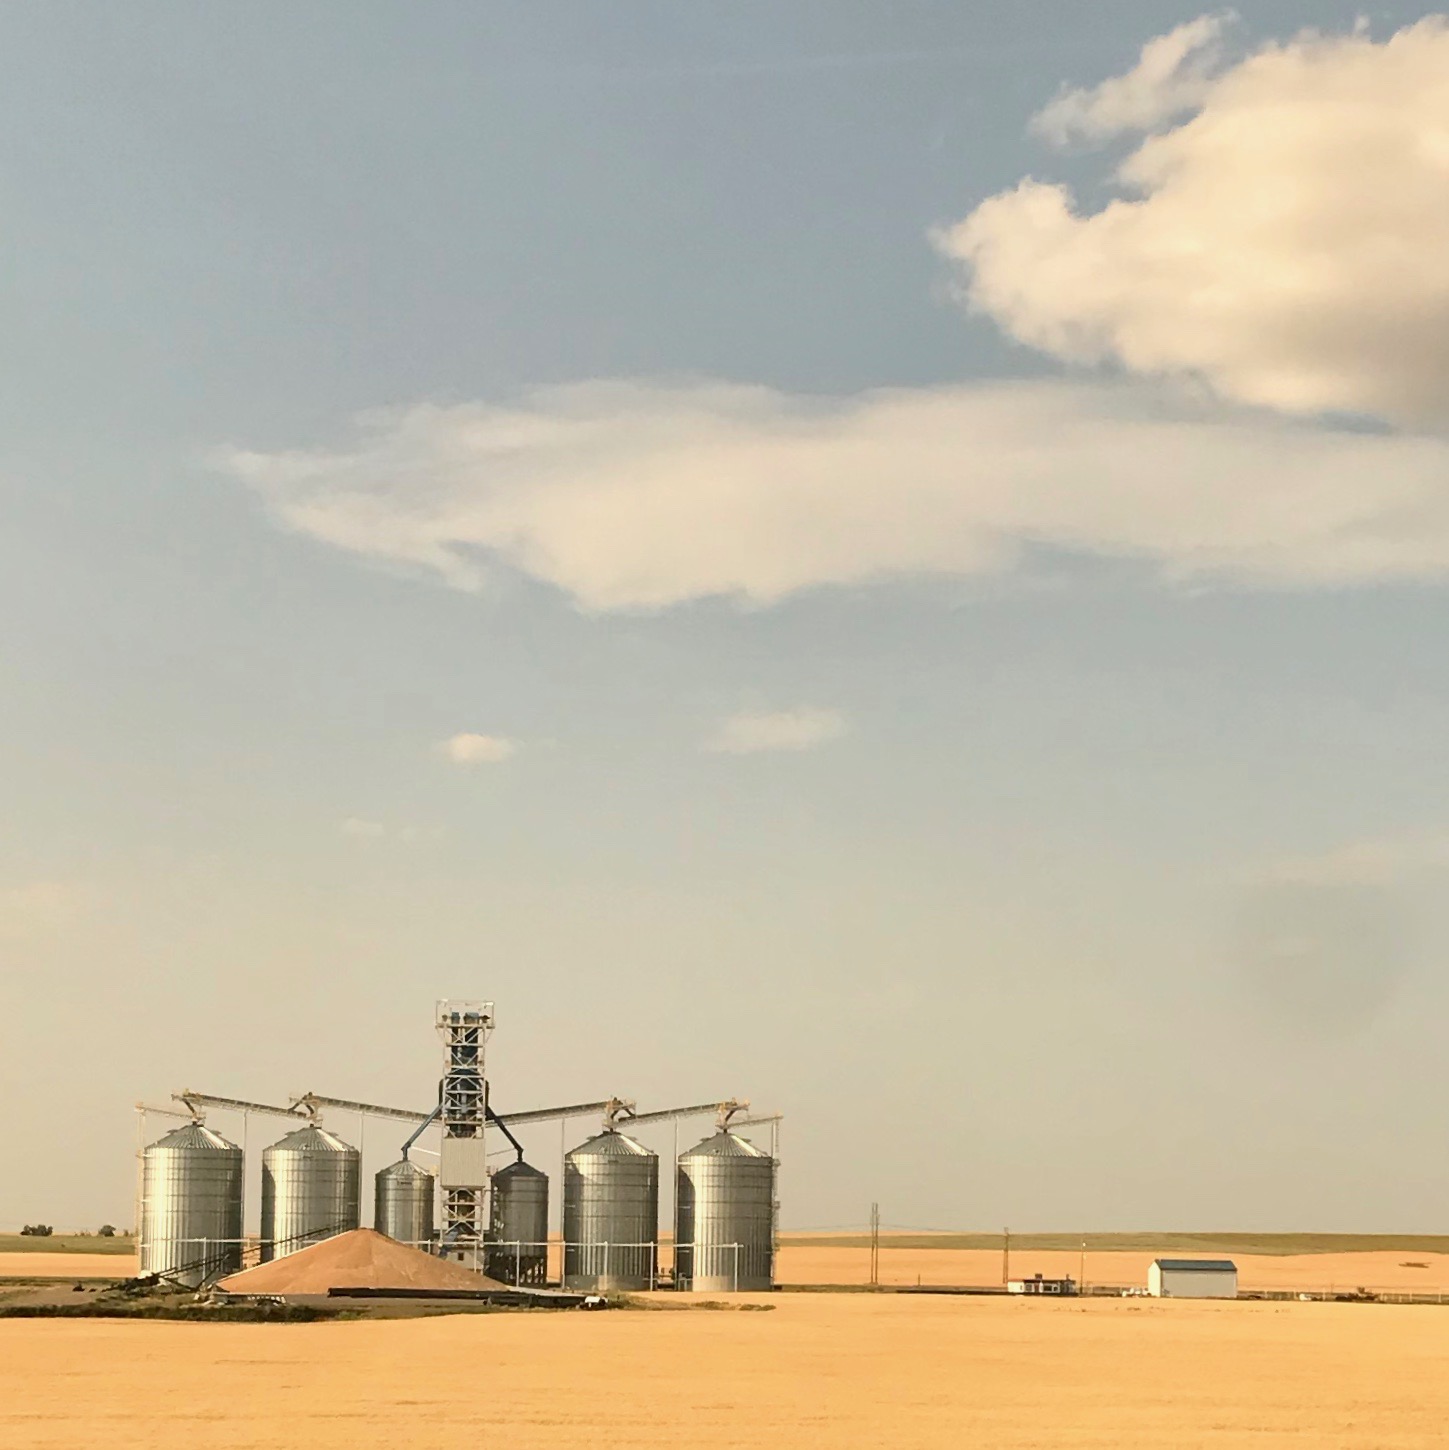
x,y
1288,243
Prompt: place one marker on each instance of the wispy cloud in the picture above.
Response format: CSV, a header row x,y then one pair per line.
x,y
1322,955
641,496
362,830
39,908
358,828
750,734
1171,77
1376,861
470,749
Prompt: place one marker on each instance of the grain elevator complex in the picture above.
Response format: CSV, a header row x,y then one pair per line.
x,y
446,1196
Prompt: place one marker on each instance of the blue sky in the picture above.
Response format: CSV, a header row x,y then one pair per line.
x,y
1008,775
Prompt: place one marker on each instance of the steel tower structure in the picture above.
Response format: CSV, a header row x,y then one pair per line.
x,y
463,1112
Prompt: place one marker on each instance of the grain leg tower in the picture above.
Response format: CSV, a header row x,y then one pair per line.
x,y
463,1110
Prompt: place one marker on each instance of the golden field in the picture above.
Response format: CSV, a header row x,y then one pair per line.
x,y
1397,1271
899,1371
66,1266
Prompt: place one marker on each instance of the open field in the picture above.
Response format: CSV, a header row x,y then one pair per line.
x,y
66,1244
66,1266
1152,1244
844,1371
1397,1271
1312,1262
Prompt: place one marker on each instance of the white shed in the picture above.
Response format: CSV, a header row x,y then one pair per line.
x,y
1193,1279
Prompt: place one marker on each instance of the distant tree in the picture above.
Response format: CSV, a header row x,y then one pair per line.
x,y
107,1231
37,1231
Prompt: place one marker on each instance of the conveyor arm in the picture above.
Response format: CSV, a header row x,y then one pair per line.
x,y
298,1109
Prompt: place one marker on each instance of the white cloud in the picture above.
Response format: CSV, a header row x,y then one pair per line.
x,y
750,734
362,830
1371,862
1288,243
40,908
470,749
1171,77
638,496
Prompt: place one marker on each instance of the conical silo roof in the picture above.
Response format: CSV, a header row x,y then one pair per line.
x,y
312,1139
517,1172
194,1135
725,1145
403,1170
611,1144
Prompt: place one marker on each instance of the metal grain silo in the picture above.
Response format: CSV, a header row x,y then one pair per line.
x,y
724,1216
518,1236
610,1214
310,1190
403,1204
191,1206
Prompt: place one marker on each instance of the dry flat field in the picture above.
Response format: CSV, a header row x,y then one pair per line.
x,y
1395,1271
838,1371
67,1266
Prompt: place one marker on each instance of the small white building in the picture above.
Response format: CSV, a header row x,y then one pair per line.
x,y
1038,1285
1193,1279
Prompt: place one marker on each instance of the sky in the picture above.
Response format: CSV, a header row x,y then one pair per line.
x,y
883,559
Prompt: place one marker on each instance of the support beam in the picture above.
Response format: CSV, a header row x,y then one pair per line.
x,y
412,1115
209,1100
144,1108
375,1110
724,1108
573,1110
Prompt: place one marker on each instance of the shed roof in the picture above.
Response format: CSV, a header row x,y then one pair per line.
x,y
1198,1266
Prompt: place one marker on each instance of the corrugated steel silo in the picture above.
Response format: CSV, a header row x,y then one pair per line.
x,y
403,1201
724,1216
310,1190
518,1236
610,1214
191,1206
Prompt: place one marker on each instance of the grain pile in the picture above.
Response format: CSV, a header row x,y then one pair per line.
x,y
361,1259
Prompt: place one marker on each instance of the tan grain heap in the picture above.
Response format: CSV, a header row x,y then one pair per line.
x,y
361,1259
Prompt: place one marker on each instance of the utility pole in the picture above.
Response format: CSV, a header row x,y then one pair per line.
x,y
1082,1270
1005,1256
875,1245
